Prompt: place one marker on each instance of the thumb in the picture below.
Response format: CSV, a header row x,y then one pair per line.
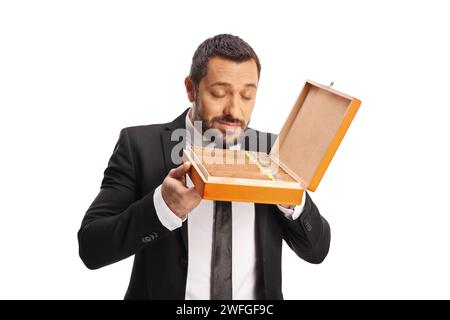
x,y
180,170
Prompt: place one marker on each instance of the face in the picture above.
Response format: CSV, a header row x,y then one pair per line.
x,y
225,98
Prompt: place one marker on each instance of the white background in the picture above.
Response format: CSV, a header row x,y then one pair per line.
x,y
73,73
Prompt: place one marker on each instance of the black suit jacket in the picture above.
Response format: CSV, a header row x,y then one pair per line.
x,y
122,221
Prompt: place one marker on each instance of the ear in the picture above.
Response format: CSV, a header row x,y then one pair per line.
x,y
190,88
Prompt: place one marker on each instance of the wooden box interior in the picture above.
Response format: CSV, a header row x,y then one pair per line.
x,y
312,132
239,166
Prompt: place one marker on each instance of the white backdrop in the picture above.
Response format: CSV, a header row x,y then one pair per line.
x,y
73,73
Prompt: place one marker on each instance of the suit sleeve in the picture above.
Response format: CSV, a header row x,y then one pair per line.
x,y
293,212
309,235
118,223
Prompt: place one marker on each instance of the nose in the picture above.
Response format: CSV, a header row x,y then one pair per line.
x,y
233,108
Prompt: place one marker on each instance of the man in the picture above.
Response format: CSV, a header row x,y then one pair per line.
x,y
186,247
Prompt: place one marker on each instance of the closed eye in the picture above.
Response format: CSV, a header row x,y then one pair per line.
x,y
248,94
217,95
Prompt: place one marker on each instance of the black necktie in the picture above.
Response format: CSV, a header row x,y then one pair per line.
x,y
221,286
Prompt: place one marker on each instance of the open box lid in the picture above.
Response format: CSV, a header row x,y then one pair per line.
x,y
312,132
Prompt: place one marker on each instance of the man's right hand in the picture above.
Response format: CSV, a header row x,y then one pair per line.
x,y
179,198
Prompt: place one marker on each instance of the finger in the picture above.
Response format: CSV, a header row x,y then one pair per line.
x,y
178,185
191,198
192,192
180,170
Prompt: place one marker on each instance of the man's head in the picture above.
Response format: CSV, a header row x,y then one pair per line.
x,y
222,85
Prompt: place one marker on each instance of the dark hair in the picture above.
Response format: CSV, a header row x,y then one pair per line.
x,y
223,45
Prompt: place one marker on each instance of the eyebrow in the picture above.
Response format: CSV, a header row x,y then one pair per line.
x,y
221,83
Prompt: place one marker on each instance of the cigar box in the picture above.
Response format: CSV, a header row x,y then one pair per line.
x,y
297,161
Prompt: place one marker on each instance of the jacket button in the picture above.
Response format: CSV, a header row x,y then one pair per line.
x,y
150,237
146,239
308,226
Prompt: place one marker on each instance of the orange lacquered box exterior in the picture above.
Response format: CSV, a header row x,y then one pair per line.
x,y
243,193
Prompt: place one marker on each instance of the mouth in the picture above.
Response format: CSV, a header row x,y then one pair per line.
x,y
229,125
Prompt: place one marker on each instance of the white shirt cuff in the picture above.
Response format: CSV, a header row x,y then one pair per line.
x,y
295,211
168,219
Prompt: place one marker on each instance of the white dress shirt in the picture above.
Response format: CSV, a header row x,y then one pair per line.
x,y
200,236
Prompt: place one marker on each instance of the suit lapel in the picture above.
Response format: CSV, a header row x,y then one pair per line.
x,y
167,146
